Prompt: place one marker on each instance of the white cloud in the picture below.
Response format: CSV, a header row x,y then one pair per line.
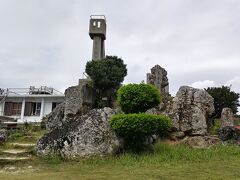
x,y
234,83
203,84
235,86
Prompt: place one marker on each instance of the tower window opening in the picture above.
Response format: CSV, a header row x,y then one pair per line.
x,y
94,23
99,24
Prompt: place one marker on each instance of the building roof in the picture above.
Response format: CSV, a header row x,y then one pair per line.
x,y
42,91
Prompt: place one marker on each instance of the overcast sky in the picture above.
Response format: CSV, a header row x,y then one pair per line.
x,y
46,42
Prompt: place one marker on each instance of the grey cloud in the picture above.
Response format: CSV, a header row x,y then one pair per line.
x,y
46,41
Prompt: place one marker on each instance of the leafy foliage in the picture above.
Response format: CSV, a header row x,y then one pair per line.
x,y
135,98
140,124
223,97
106,73
215,127
135,128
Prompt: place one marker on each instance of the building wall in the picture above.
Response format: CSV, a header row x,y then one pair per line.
x,y
1,109
46,107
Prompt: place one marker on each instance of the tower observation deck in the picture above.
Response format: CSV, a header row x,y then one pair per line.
x,y
97,32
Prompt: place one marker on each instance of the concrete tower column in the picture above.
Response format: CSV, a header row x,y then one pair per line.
x,y
103,49
97,48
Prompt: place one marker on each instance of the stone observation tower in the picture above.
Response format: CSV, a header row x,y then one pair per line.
x,y
97,32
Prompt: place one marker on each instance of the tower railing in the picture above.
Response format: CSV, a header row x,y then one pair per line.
x,y
98,17
3,95
28,91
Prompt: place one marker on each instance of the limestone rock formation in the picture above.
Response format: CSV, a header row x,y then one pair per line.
x,y
78,99
78,96
81,135
176,135
190,110
200,142
229,134
227,118
3,135
55,118
158,78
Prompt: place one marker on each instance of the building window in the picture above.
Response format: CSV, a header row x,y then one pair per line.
x,y
32,109
12,108
54,105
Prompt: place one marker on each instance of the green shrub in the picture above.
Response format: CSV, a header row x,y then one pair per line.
x,y
17,134
136,98
216,126
107,73
237,121
135,128
224,97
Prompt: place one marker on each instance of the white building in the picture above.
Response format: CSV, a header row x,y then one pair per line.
x,y
29,104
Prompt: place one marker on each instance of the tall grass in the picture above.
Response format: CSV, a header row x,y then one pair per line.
x,y
163,161
164,153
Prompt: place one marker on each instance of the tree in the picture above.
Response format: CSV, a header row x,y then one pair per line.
x,y
223,97
136,98
106,73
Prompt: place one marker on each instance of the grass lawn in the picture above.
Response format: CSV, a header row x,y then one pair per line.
x,y
163,162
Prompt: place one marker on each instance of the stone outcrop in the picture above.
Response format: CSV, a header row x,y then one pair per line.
x,y
176,135
158,78
78,99
190,110
81,135
78,96
55,118
3,135
230,134
200,142
227,118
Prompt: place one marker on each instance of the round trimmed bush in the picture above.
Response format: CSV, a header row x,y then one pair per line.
x,y
140,124
136,98
136,128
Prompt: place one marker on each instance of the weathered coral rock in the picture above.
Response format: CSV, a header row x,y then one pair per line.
x,y
227,118
200,141
190,110
78,96
55,118
229,134
158,78
3,135
82,135
177,135
78,99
